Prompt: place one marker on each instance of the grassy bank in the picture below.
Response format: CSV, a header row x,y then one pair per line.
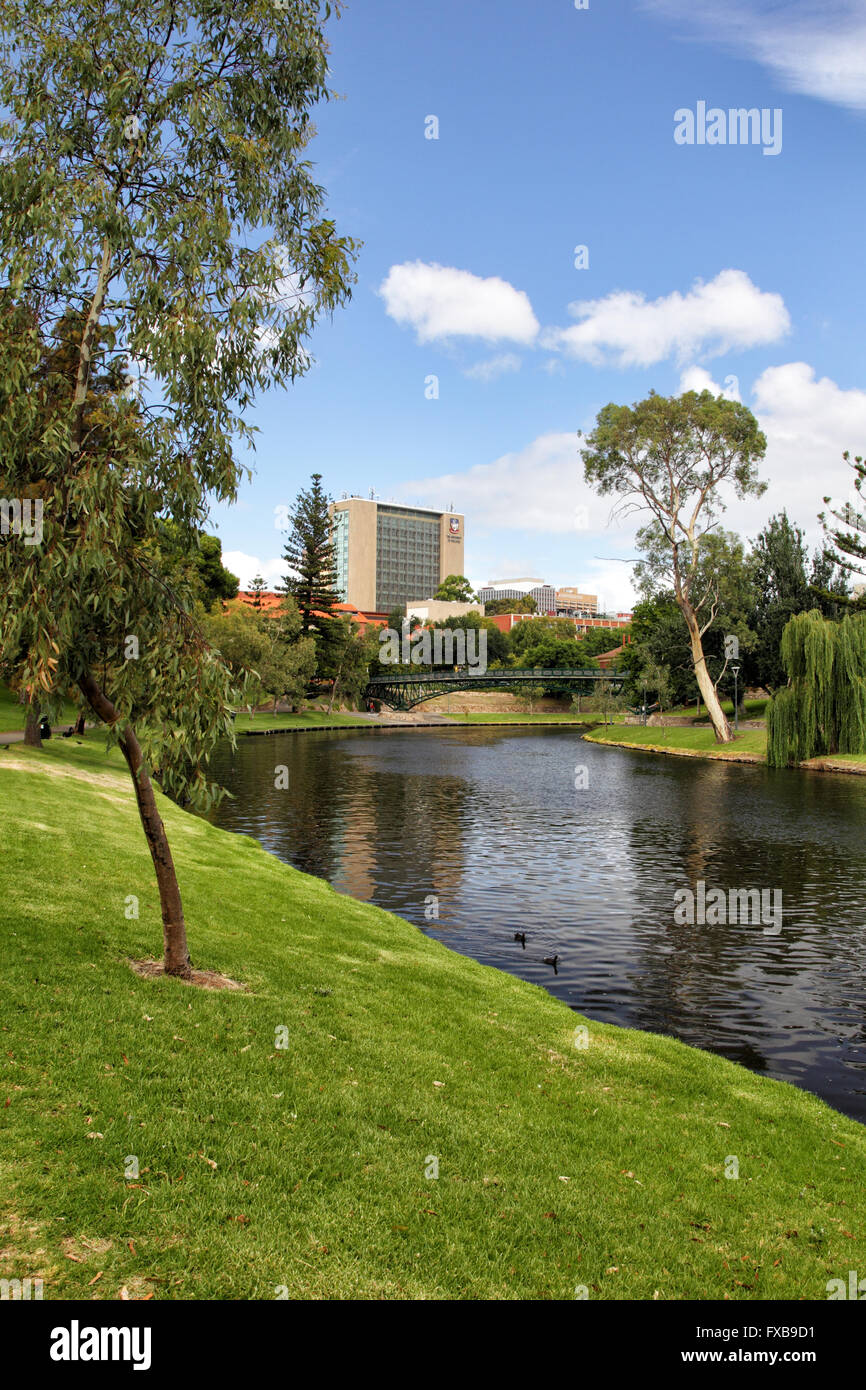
x,y
749,744
307,719
304,1168
754,709
519,717
12,712
683,738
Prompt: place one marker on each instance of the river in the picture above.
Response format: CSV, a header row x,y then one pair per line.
x,y
477,834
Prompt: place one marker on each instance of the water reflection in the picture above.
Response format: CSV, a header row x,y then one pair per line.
x,y
489,828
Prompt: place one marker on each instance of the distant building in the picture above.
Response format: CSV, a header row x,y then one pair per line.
x,y
506,621
544,594
608,659
571,603
387,554
269,602
436,610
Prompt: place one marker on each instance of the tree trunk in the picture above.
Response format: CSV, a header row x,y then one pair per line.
x,y
334,689
79,724
176,954
717,715
32,736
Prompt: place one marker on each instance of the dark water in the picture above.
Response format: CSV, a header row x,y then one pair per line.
x,y
490,822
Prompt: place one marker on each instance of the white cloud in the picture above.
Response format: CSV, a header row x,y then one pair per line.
x,y
440,302
246,567
808,422
818,49
538,488
494,367
626,330
699,379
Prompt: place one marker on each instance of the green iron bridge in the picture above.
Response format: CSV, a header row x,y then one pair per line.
x,y
403,691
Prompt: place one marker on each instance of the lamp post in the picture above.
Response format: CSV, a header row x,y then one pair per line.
x,y
736,673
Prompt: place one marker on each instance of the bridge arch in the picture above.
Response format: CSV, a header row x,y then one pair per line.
x,y
403,691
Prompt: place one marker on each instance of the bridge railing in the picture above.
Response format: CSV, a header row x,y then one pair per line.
x,y
534,673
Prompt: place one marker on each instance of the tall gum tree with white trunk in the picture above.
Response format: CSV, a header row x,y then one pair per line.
x,y
158,218
673,457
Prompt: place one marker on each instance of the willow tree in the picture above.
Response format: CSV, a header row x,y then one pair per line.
x,y
822,709
673,457
158,219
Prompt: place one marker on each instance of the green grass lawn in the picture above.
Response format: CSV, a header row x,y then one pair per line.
x,y
308,719
305,1168
755,709
12,713
694,739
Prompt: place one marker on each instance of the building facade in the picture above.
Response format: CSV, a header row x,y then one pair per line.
x,y
437,610
570,602
387,554
506,621
544,594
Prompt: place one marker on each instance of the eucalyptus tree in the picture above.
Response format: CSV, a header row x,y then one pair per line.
x,y
673,457
164,256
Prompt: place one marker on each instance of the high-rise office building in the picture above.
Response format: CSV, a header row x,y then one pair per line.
x,y
389,555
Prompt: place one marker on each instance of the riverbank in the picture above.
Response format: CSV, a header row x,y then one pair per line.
x,y
156,1139
418,718
749,746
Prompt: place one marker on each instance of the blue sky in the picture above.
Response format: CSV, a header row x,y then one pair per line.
x,y
707,263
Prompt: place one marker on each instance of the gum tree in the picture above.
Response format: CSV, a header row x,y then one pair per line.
x,y
159,222
672,457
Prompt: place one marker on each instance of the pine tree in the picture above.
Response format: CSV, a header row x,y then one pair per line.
x,y
257,588
309,553
847,537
